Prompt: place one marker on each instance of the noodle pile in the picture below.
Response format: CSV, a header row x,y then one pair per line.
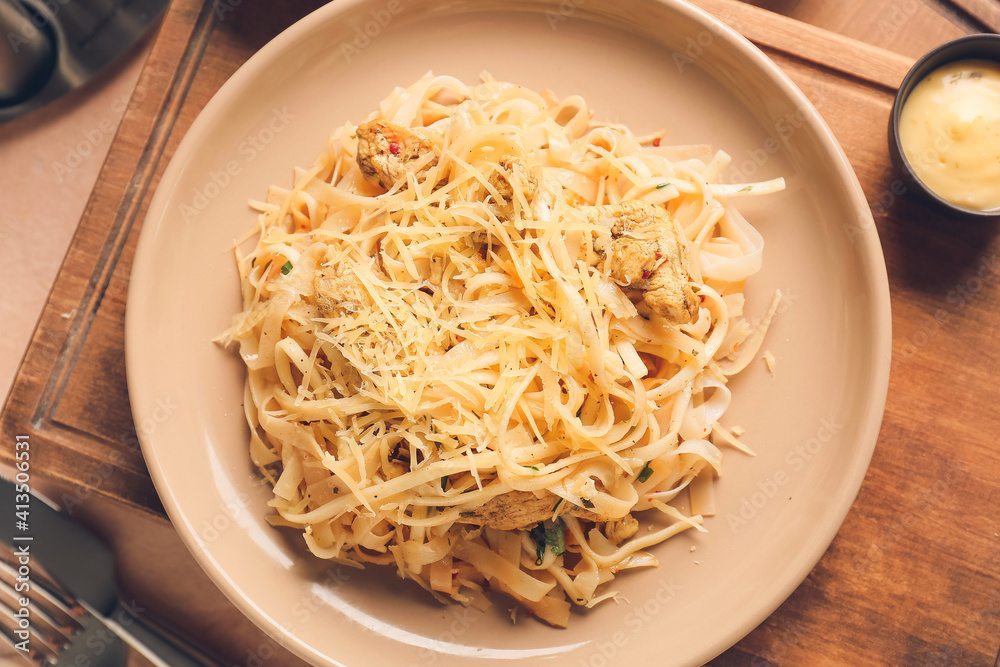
x,y
484,357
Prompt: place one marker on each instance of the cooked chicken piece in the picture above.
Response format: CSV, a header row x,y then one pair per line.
x,y
646,252
386,149
515,510
621,530
515,173
338,289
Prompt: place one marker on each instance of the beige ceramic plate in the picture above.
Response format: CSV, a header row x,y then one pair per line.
x,y
651,64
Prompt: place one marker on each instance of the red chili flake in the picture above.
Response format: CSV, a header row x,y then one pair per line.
x,y
657,254
394,148
646,275
656,141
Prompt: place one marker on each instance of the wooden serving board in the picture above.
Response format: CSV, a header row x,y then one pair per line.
x,y
914,574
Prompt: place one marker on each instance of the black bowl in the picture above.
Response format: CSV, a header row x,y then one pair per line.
x,y
970,47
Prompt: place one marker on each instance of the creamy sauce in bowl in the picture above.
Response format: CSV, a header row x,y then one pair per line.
x,y
949,129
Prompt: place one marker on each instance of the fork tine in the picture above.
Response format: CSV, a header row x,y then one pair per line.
x,y
53,613
44,633
94,645
31,657
39,650
89,642
55,609
41,576
43,626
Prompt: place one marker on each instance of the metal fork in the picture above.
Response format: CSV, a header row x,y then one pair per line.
x,y
58,601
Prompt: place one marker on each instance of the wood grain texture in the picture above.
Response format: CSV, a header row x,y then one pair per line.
x,y
912,576
815,45
907,27
986,12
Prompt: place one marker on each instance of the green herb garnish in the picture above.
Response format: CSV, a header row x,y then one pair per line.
x,y
555,537
551,535
662,185
286,268
645,473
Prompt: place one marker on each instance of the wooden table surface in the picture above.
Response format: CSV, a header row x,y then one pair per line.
x,y
913,576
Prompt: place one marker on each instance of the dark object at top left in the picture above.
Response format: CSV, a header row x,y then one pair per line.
x,y
50,47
